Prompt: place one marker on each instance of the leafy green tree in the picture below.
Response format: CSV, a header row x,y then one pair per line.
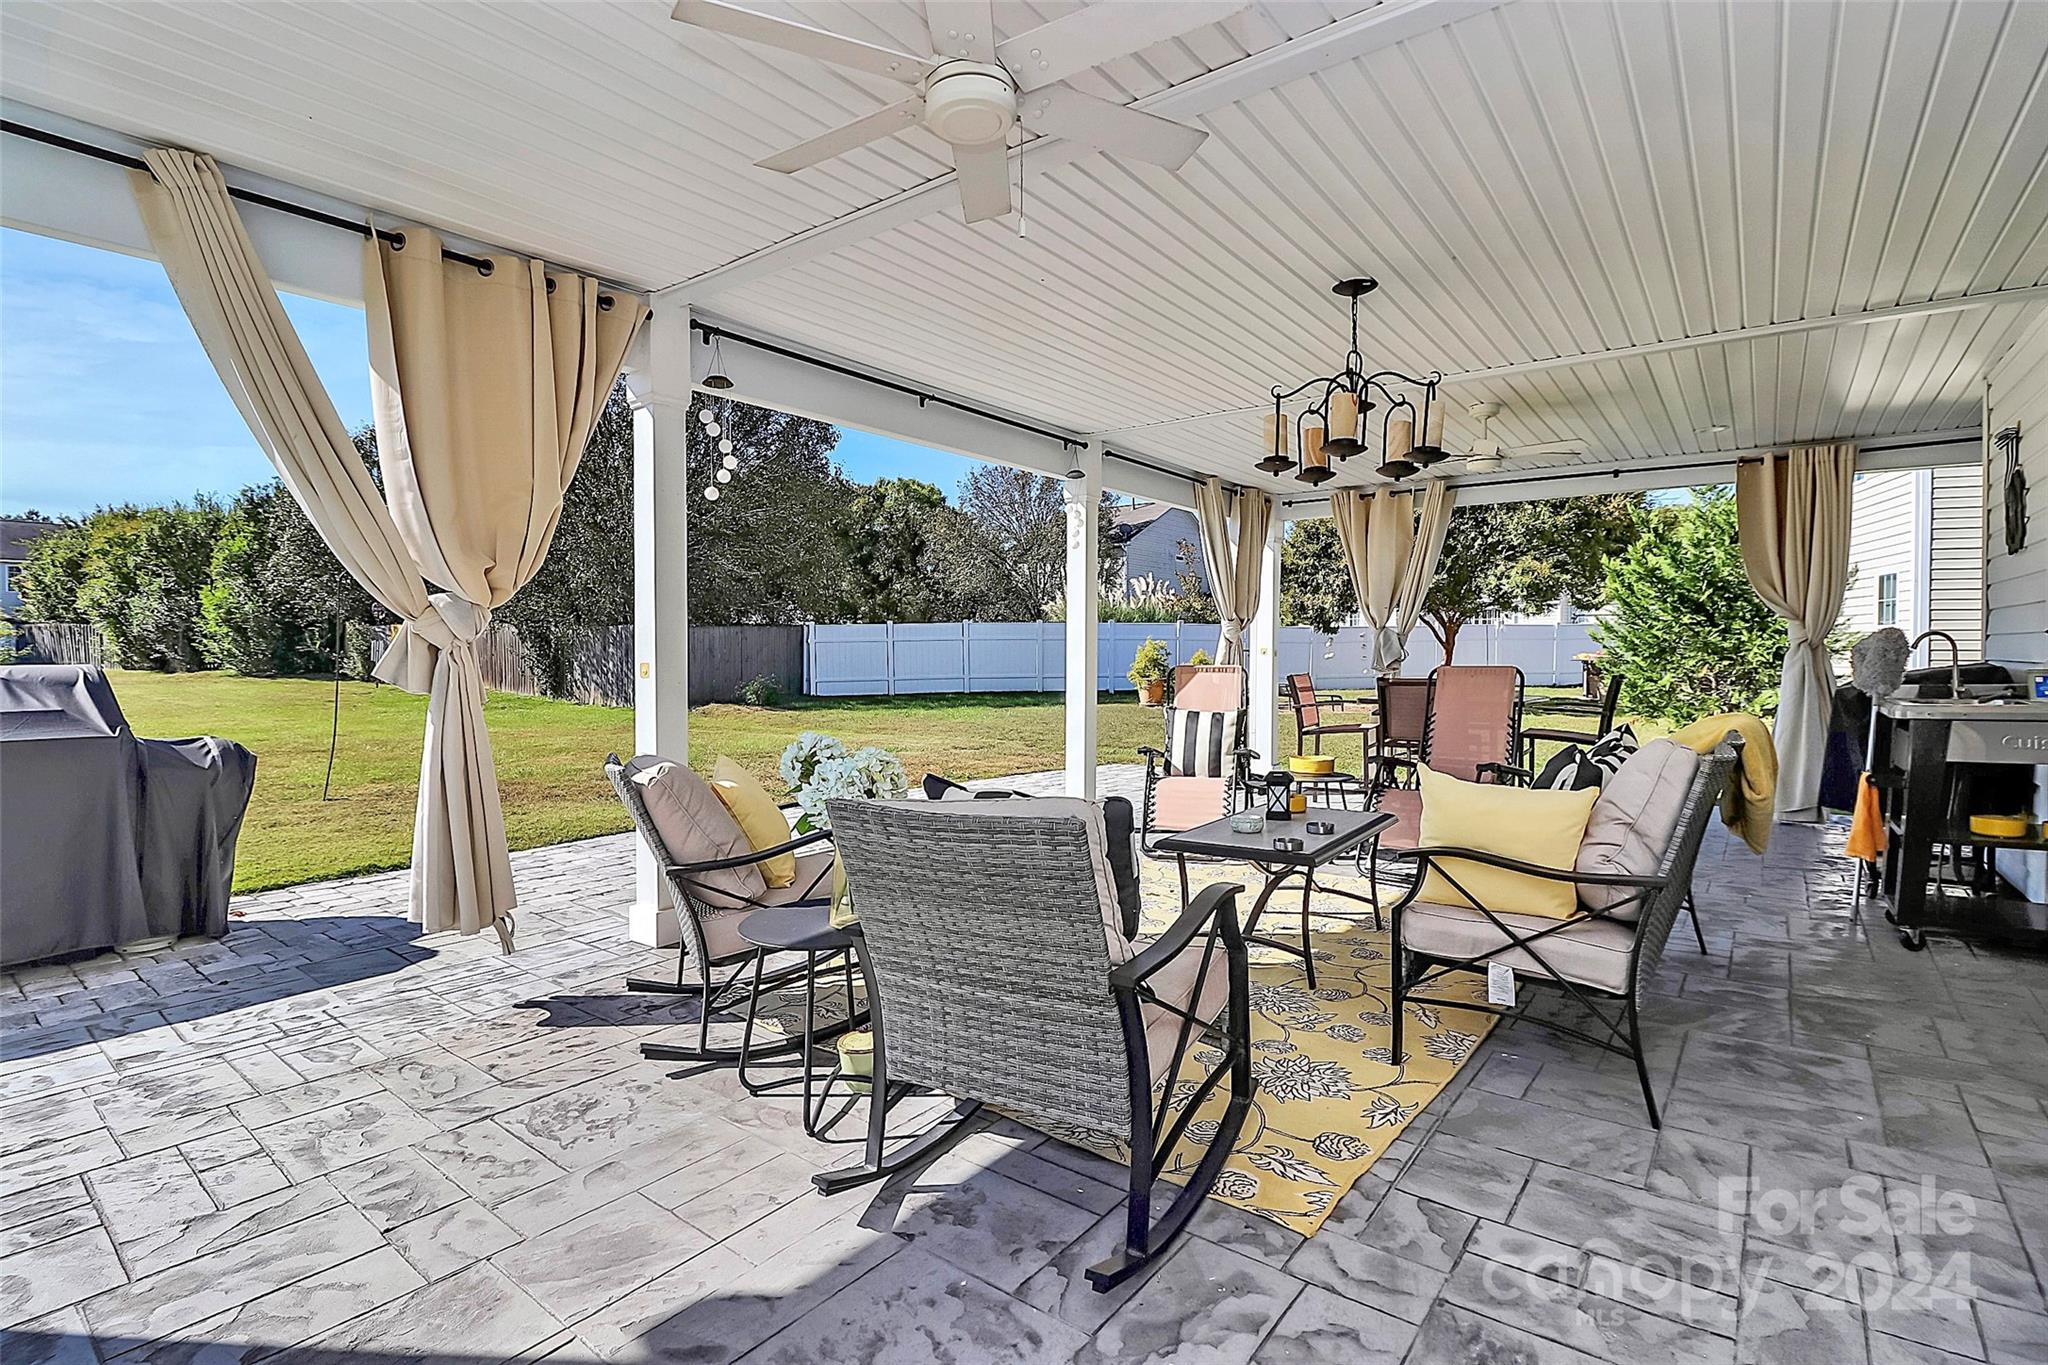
x,y
143,572
893,532
237,628
1683,628
53,572
772,547
1514,558
1315,583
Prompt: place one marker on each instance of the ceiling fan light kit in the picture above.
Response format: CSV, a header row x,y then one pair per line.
x,y
1339,414
971,91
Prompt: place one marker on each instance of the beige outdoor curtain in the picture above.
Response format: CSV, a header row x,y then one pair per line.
x,y
1793,511
1392,541
1235,571
484,394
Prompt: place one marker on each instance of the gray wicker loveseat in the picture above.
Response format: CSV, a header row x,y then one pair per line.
x,y
1632,875
998,973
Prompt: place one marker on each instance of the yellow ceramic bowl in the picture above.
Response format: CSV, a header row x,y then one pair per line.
x,y
1312,765
1999,826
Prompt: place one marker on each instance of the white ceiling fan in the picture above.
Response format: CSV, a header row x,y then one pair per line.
x,y
973,89
1489,452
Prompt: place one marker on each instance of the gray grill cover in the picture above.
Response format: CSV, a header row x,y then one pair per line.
x,y
105,838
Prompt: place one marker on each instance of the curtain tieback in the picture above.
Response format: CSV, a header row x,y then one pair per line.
x,y
449,623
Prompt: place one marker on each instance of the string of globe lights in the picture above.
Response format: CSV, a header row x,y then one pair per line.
x,y
708,417
1339,424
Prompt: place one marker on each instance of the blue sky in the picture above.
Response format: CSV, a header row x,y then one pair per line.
x,y
106,396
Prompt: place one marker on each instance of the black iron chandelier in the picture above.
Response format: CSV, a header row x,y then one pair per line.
x,y
1339,421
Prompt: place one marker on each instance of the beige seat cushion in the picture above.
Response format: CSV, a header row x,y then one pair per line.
x,y
1176,982
694,825
1632,822
1591,953
722,926
1184,802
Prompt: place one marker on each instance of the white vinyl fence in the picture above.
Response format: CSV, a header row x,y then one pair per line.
x,y
1030,656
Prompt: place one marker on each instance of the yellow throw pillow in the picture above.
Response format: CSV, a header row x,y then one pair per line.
x,y
1530,825
758,818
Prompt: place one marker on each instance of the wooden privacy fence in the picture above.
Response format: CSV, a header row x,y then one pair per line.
x,y
723,659
62,642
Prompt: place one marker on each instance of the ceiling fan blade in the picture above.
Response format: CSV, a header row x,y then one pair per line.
x,y
984,174
962,28
1062,111
1553,448
882,123
738,22
1103,32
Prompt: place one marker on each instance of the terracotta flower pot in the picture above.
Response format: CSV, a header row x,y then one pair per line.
x,y
1152,692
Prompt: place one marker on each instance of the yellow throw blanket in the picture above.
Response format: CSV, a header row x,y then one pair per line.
x,y
1747,805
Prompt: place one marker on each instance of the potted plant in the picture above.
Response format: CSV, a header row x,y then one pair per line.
x,y
1149,670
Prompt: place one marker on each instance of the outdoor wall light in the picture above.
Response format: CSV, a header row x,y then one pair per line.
x,y
1338,421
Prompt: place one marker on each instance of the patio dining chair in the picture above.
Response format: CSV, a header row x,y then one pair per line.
x,y
1631,876
1404,716
1471,731
998,973
1317,717
1204,767
714,882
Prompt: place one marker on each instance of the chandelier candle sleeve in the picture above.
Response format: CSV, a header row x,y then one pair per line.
x,y
1276,433
1400,437
1344,415
1433,427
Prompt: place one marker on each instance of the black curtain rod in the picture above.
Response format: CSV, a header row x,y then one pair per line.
x,y
710,330
481,264
1167,470
1655,469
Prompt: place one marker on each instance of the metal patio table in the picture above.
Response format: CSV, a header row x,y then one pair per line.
x,y
808,930
1353,830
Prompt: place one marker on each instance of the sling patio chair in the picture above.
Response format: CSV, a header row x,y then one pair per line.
x,y
1602,712
1200,774
1404,716
715,881
1317,717
1632,873
998,973
1471,731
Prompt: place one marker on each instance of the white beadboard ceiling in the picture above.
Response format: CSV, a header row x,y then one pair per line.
x,y
1528,181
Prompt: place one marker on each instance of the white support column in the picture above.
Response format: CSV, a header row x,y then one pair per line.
x,y
1262,645
1084,603
660,388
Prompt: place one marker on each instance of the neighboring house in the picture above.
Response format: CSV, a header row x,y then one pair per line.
x,y
1915,557
1151,534
15,535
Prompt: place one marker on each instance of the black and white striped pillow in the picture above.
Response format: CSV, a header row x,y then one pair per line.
x,y
1199,743
1612,750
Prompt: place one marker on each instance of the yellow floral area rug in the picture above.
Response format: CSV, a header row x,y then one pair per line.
x,y
1331,1096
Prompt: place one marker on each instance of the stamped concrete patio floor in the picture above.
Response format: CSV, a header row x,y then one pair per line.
x,y
326,1137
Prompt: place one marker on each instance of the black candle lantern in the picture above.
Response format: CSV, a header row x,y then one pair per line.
x,y
1277,803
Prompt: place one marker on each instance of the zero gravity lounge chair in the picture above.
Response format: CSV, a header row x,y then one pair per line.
x,y
998,973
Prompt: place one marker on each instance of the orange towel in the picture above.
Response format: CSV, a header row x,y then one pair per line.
x,y
1866,828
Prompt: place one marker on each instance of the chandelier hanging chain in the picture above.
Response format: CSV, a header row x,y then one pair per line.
x,y
1339,425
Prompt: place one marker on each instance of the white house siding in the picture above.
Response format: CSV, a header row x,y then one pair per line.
x,y
1151,553
1955,555
2016,586
1882,541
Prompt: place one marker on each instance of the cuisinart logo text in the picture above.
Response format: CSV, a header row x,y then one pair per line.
x,y
2034,742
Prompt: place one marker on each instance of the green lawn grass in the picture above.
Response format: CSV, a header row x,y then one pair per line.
x,y
549,755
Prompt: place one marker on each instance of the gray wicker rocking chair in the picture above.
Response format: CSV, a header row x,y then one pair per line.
x,y
704,914
998,973
1597,957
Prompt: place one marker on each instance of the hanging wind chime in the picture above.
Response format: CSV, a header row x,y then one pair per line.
x,y
1339,421
714,418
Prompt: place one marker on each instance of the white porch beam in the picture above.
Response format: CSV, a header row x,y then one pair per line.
x,y
1262,646
1084,598
1925,450
659,382
830,389
2025,294
1346,40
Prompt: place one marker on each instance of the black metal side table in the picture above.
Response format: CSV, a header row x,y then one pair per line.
x,y
1352,830
805,929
